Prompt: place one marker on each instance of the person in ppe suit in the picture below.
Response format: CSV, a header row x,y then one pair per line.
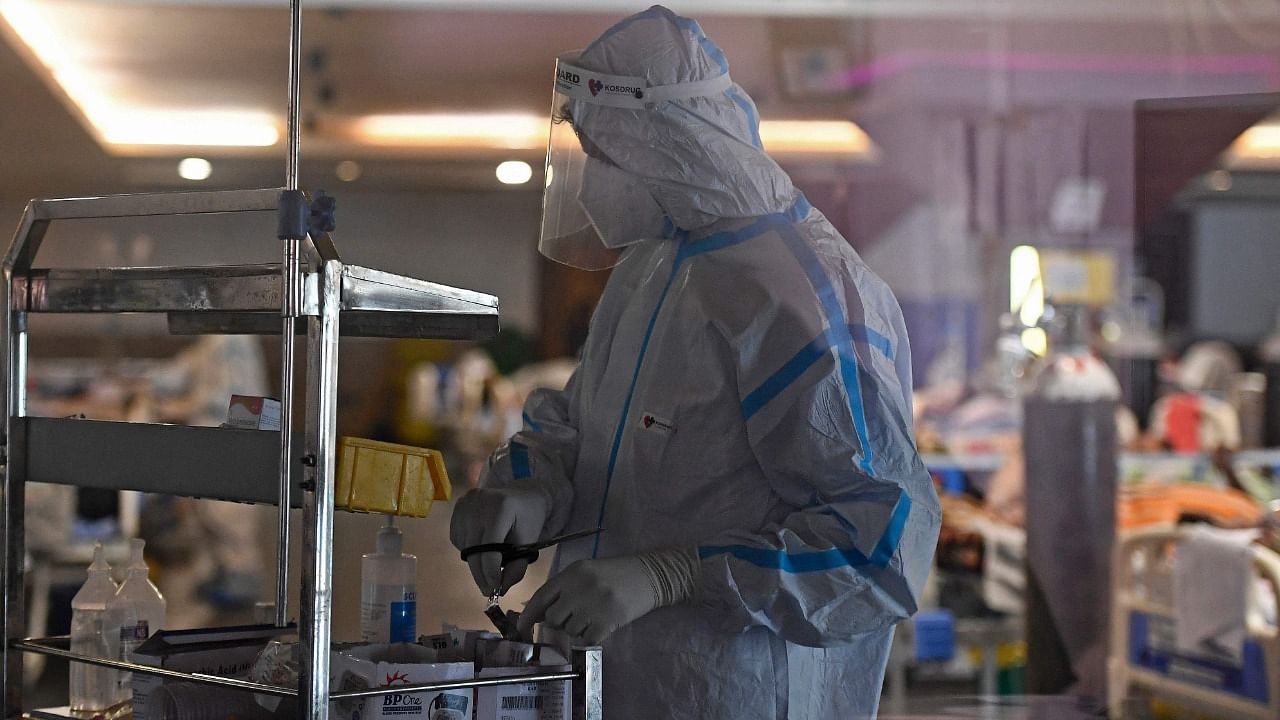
x,y
740,423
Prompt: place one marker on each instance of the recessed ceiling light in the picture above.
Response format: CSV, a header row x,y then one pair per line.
x,y
194,168
514,172
513,131
347,171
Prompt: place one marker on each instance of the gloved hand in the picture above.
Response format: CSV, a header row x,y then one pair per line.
x,y
592,598
495,515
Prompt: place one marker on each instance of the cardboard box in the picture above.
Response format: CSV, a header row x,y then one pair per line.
x,y
253,413
526,701
226,652
400,664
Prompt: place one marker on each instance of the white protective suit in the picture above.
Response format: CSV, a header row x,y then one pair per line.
x,y
745,389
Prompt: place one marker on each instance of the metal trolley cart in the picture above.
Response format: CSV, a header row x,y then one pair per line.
x,y
311,293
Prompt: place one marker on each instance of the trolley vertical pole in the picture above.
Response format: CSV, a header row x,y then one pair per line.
x,y
320,457
588,689
13,400
295,94
14,552
290,293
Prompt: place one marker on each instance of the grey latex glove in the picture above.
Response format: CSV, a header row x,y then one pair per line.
x,y
495,515
592,598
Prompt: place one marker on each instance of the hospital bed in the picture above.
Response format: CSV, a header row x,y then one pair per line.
x,y
1144,658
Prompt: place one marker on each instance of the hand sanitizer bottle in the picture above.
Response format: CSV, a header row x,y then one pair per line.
x,y
389,596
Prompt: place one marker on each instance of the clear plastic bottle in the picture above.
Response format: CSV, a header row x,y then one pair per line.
x,y
93,689
135,613
389,596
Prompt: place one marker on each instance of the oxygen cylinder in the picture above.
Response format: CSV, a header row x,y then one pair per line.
x,y
1069,442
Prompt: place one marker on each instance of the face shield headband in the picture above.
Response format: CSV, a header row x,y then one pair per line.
x,y
591,207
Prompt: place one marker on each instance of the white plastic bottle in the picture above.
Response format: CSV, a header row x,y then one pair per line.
x,y
389,595
135,613
93,689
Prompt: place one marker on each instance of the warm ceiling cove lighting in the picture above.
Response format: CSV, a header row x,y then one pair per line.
x,y
516,131
194,168
507,131
113,120
816,137
208,128
514,172
1260,142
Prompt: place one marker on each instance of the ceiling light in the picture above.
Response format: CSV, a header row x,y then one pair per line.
x,y
205,128
106,109
194,168
508,131
817,137
514,172
1260,142
835,138
348,171
1026,287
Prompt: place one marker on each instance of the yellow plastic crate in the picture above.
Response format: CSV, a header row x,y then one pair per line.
x,y
382,477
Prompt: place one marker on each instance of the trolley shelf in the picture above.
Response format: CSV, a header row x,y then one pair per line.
x,y
164,203
586,663
157,289
217,463
62,713
247,298
60,647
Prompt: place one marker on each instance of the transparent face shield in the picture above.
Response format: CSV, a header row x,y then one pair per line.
x,y
567,235
591,208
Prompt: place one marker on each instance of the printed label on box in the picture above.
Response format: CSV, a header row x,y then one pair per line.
x,y
527,701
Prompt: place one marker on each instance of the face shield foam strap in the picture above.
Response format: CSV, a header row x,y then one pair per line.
x,y
627,91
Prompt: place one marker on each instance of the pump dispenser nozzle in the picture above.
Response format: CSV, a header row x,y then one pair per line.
x,y
390,542
99,565
136,561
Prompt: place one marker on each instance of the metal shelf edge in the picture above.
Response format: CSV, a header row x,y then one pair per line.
x,y
151,289
46,646
165,203
49,714
456,685
355,278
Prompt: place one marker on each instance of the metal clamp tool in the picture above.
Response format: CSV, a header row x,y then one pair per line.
x,y
511,552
